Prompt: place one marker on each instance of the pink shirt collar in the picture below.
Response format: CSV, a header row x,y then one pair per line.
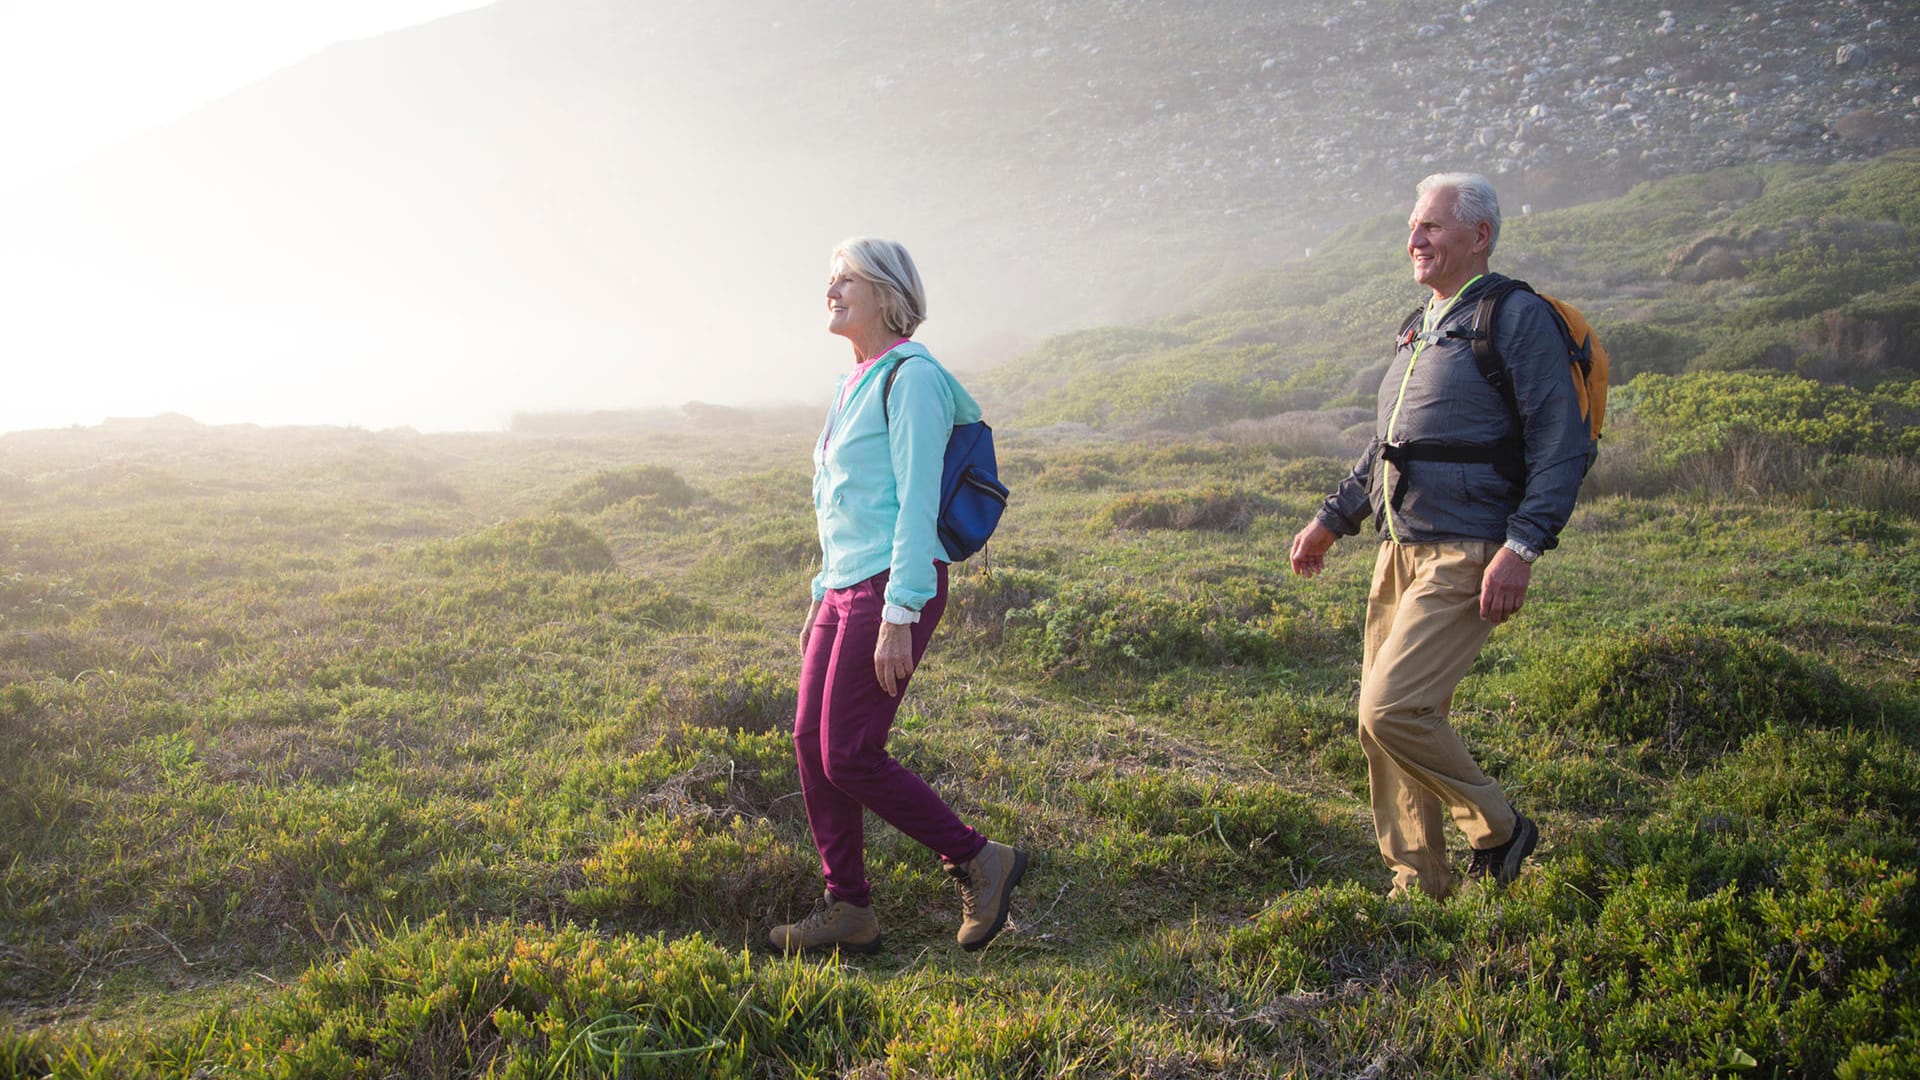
x,y
861,368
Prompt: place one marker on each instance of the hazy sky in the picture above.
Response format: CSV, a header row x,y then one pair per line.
x,y
78,75
324,212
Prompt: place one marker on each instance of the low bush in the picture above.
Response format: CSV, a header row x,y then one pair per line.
x,y
525,1002
669,869
1635,349
1073,476
555,543
1889,485
707,773
1215,508
652,486
1310,476
1793,974
1316,939
1702,411
1691,690
722,696
1031,1034
1194,828
981,603
1102,630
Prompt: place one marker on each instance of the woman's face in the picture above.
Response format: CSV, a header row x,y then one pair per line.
x,y
853,304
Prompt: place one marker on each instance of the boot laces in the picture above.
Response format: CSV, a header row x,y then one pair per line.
x,y
819,917
963,880
1480,862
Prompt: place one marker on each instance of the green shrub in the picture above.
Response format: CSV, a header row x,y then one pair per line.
x,y
1214,508
554,543
1073,476
1702,411
1691,690
1794,974
1635,349
1027,1034
784,547
652,486
672,868
1195,828
982,602
722,696
1317,938
1877,485
525,1002
1100,630
708,773
1312,476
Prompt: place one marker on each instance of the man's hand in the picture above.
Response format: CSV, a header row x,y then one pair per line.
x,y
1309,553
893,656
1503,588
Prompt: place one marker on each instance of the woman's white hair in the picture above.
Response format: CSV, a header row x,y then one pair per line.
x,y
1474,200
887,266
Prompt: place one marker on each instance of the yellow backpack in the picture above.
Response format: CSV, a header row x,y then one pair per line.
x,y
1586,357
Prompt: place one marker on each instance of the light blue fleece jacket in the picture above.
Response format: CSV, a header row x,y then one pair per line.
x,y
876,486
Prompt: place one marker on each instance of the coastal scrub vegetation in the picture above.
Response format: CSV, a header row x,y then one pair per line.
x,y
331,753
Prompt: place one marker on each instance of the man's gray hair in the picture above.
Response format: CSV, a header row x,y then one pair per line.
x,y
1474,200
887,266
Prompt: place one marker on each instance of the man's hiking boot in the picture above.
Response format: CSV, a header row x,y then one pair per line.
x,y
833,924
986,890
1503,863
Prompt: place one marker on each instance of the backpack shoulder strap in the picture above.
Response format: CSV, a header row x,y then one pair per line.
x,y
886,389
1408,328
1486,355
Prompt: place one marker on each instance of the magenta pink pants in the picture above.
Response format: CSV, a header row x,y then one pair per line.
x,y
840,736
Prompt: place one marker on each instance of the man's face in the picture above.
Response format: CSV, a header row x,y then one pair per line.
x,y
1446,254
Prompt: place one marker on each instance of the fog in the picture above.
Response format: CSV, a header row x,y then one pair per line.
x,y
533,206
552,205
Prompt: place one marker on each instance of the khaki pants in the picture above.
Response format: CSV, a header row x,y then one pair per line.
x,y
1423,632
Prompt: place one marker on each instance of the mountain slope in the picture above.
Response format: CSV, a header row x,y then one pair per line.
x,y
1780,267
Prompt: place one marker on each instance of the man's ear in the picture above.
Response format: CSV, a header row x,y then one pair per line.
x,y
1483,236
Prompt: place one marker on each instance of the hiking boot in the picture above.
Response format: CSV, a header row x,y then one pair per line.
x,y
832,924
1503,863
986,890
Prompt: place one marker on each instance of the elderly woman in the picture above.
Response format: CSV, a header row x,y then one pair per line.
x,y
876,600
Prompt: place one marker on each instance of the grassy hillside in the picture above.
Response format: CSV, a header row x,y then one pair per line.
x,y
330,753
1774,268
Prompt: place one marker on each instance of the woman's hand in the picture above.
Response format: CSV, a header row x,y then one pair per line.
x,y
806,628
893,656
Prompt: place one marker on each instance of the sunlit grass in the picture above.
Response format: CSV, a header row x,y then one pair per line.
x,y
333,753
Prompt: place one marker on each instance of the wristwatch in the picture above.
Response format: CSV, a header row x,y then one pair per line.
x,y
899,616
1527,554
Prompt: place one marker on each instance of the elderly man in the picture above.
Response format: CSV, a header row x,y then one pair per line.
x,y
1466,487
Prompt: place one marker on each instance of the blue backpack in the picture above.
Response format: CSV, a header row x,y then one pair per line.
x,y
972,498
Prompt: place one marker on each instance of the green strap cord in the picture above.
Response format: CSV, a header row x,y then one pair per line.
x,y
1427,324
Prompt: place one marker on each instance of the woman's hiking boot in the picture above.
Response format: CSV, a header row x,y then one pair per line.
x,y
832,924
986,891
1502,863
